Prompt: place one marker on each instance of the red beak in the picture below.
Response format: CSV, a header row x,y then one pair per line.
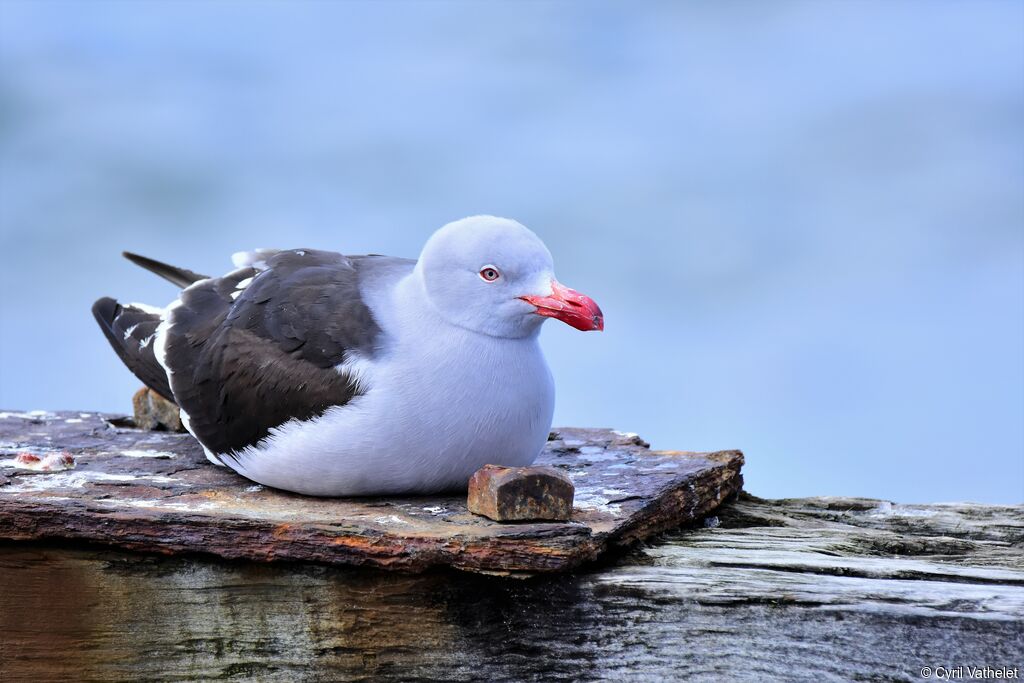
x,y
569,306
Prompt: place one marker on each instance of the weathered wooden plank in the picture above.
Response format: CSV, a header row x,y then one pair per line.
x,y
960,560
155,491
798,590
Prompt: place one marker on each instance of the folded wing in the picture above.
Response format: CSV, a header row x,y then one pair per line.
x,y
252,350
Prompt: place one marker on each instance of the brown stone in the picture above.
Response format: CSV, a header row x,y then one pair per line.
x,y
517,494
153,411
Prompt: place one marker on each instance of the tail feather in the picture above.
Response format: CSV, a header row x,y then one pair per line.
x,y
182,277
131,332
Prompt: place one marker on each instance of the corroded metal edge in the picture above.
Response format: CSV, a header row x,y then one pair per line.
x,y
516,549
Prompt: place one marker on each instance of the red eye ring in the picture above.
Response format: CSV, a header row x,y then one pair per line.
x,y
489,273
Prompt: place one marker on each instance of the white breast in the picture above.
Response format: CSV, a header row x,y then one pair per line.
x,y
442,402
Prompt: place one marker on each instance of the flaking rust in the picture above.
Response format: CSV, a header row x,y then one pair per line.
x,y
155,491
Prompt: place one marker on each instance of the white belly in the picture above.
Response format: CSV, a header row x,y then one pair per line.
x,y
431,417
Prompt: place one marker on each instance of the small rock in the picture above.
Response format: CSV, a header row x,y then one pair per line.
x,y
513,494
153,411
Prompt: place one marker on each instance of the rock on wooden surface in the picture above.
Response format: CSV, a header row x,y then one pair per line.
x,y
823,589
153,411
155,491
513,494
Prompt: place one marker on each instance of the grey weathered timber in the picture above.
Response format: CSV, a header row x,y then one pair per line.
x,y
959,559
155,491
827,589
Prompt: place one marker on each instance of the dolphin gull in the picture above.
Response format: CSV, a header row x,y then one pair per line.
x,y
335,375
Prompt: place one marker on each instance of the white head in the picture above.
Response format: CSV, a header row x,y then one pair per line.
x,y
494,276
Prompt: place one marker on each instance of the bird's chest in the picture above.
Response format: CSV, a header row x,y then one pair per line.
x,y
483,388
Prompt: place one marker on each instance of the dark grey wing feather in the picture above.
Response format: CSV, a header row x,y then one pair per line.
x,y
244,363
179,276
130,331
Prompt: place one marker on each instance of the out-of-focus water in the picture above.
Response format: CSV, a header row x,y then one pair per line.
x,y
804,221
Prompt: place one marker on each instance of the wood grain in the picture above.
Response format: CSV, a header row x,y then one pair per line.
x,y
806,590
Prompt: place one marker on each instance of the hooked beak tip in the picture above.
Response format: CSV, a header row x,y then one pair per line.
x,y
571,307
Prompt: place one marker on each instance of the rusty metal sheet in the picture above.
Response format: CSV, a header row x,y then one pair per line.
x,y
155,491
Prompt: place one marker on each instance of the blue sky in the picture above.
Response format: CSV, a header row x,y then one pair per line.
x,y
804,220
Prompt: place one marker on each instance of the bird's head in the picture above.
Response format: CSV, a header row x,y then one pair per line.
x,y
493,275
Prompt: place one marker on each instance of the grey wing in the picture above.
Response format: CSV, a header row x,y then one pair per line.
x,y
130,331
254,349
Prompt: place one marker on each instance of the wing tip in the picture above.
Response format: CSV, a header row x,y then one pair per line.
x,y
181,277
140,260
105,310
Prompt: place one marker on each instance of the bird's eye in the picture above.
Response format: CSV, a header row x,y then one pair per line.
x,y
489,273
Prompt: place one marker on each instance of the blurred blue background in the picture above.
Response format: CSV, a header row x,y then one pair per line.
x,y
804,220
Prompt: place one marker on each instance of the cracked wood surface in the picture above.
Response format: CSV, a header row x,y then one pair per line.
x,y
155,491
822,589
